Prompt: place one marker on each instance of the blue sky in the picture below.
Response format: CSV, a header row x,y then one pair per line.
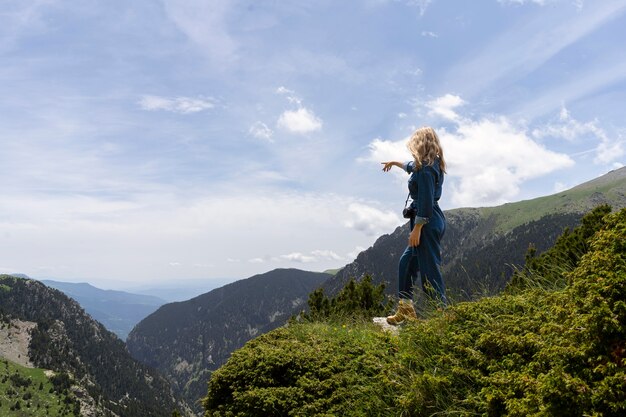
x,y
156,141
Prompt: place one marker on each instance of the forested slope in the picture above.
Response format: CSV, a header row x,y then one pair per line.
x,y
67,340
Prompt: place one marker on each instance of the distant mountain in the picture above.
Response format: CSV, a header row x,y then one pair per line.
x,y
187,340
482,246
181,289
63,338
20,276
119,311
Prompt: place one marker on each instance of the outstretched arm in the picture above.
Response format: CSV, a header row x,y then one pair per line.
x,y
387,165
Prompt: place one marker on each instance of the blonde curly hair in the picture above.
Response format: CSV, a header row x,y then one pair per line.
x,y
425,147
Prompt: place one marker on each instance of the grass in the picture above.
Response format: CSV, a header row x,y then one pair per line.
x,y
28,392
511,215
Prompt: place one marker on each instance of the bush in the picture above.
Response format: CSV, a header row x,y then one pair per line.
x,y
550,268
355,300
303,370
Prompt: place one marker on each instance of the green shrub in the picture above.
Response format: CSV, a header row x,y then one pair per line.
x,y
550,268
303,370
359,299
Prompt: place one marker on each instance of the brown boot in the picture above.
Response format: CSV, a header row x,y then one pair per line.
x,y
405,311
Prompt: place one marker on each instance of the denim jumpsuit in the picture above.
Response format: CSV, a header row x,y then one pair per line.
x,y
425,186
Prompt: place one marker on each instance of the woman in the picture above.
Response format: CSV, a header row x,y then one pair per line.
x,y
427,223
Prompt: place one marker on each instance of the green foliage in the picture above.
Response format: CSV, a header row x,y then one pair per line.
x,y
303,370
356,300
535,351
20,395
550,267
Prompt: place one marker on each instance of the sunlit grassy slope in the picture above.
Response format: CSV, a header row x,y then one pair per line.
x,y
26,392
610,188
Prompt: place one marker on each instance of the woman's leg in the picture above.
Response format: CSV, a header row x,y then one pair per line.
x,y
408,268
429,255
407,274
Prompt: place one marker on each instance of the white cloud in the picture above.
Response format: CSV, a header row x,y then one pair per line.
x,y
385,150
370,220
444,106
352,255
421,4
182,105
256,260
526,47
488,158
299,121
326,254
429,34
559,186
576,3
297,257
491,158
205,24
261,131
381,150
568,128
284,90
314,256
522,2
608,151
290,94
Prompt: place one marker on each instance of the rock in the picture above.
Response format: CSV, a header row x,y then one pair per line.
x,y
382,322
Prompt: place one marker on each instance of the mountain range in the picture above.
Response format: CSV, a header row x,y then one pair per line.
x,y
52,332
119,311
187,340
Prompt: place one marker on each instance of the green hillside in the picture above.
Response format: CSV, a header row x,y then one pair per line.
x,y
28,392
555,348
608,189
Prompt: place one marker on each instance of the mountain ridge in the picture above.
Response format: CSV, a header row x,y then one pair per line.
x,y
187,340
476,238
67,340
118,311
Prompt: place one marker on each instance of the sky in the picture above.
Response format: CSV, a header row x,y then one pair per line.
x,y
160,141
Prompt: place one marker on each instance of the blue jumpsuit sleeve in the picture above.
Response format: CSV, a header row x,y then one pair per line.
x,y
408,166
426,194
